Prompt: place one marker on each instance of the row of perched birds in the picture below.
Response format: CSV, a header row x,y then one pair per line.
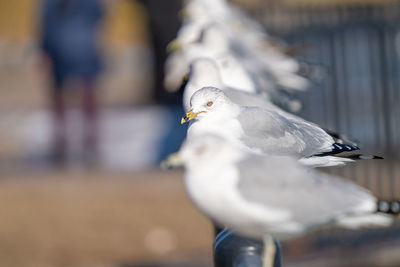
x,y
248,159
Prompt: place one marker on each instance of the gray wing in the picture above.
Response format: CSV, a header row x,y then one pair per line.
x,y
247,99
311,197
275,134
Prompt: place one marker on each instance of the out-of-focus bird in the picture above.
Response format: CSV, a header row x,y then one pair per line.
x,y
260,196
254,66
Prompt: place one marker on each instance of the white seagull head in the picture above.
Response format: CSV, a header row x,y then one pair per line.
x,y
209,103
208,150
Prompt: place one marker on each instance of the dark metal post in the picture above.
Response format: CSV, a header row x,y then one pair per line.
x,y
234,250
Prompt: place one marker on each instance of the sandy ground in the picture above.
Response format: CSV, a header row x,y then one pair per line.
x,y
81,218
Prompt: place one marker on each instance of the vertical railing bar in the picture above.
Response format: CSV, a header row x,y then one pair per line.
x,y
360,90
395,103
334,85
367,167
351,172
334,80
324,97
373,36
386,109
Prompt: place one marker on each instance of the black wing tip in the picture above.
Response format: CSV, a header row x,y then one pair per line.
x,y
340,138
338,148
388,206
344,147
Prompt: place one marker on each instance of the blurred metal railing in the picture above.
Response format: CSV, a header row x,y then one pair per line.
x,y
357,49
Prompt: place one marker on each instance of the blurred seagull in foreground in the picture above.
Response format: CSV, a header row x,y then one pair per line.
x,y
260,196
263,130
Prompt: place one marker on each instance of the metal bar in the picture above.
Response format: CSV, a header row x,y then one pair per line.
x,y
386,104
395,102
375,103
231,249
334,85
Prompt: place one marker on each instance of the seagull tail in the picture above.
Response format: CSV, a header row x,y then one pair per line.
x,y
335,160
385,213
361,157
327,161
366,220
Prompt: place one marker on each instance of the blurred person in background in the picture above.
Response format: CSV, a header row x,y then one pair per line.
x,y
70,42
163,27
164,24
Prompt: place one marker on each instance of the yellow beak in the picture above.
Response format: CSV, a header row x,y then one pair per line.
x,y
174,46
189,116
173,161
185,78
183,14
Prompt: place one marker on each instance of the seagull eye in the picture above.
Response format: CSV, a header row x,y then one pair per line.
x,y
201,150
209,104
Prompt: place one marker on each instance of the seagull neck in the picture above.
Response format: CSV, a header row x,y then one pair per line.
x,y
225,113
205,79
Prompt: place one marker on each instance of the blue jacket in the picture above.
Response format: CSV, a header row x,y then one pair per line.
x,y
70,35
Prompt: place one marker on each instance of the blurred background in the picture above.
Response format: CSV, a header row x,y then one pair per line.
x,y
80,146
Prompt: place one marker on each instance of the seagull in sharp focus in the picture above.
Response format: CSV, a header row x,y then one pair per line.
x,y
262,130
204,72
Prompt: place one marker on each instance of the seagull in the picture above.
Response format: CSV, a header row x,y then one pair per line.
x,y
244,62
265,197
262,130
213,43
205,72
246,39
